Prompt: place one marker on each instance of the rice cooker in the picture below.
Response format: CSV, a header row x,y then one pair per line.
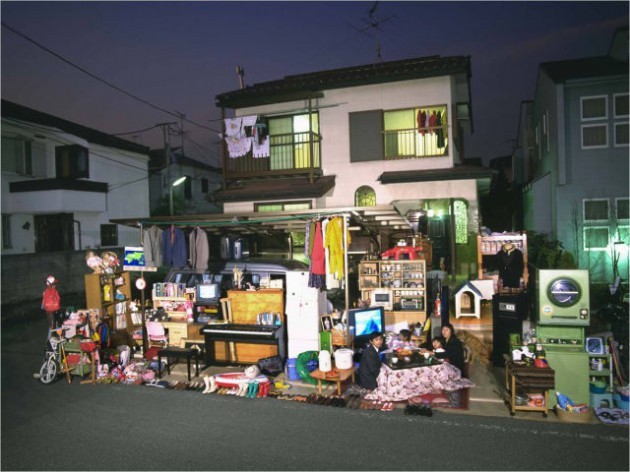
x,y
343,358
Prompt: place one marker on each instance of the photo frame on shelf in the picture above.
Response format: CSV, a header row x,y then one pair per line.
x,y
327,323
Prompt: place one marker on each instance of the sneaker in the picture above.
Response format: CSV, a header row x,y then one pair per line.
x,y
36,375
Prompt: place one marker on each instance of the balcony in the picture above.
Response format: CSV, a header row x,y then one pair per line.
x,y
414,143
291,154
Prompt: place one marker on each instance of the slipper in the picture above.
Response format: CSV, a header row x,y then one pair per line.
x,y
387,406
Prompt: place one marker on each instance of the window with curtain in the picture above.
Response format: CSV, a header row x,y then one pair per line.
x,y
71,162
290,142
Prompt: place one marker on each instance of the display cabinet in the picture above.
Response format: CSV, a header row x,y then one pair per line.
x,y
404,279
178,305
487,249
110,295
601,369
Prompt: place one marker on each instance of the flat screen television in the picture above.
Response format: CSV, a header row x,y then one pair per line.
x,y
207,293
364,321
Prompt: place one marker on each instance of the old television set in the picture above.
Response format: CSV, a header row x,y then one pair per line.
x,y
382,297
207,293
364,321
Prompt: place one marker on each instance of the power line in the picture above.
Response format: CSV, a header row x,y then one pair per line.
x,y
138,131
94,76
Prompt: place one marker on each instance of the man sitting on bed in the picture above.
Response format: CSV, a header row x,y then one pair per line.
x,y
370,364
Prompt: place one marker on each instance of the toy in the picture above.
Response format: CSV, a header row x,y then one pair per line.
x,y
94,262
110,261
398,251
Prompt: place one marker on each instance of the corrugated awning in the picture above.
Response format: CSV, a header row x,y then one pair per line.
x,y
297,187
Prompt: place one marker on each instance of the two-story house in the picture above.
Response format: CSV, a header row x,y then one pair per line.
x,y
578,152
193,195
384,135
62,183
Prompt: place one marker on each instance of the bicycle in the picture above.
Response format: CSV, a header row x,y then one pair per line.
x,y
56,361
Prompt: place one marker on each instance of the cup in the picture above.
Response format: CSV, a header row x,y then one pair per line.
x,y
394,360
426,355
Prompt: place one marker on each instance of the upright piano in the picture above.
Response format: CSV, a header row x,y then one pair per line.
x,y
243,333
252,341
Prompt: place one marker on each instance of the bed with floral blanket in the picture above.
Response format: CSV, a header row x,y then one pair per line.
x,y
403,384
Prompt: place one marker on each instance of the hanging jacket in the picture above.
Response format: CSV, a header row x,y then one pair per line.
x,y
174,253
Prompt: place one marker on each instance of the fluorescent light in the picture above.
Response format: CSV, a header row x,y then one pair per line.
x,y
179,181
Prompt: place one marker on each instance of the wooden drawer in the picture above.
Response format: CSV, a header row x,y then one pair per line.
x,y
176,332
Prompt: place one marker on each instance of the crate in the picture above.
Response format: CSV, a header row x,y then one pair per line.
x,y
572,417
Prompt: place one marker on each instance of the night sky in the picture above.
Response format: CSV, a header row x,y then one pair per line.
x,y
179,56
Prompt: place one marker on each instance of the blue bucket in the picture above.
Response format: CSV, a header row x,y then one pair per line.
x,y
291,369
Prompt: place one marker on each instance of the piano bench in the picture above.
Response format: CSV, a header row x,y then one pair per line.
x,y
178,353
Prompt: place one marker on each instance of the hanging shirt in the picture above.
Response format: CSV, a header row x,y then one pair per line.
x,y
317,276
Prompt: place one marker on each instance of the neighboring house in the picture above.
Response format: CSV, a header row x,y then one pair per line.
x,y
578,192
384,134
62,183
195,193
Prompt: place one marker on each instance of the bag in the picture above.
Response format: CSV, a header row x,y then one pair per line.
x,y
271,365
103,334
51,301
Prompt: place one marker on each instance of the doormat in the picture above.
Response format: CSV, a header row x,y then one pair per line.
x,y
612,416
457,400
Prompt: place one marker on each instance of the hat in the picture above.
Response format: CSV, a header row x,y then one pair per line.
x,y
51,280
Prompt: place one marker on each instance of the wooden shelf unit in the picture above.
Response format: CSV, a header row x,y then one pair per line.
x,y
407,281
101,292
489,246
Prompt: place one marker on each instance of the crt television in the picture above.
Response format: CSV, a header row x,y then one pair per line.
x,y
207,293
364,321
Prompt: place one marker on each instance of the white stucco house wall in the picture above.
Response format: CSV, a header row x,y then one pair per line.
x,y
62,183
367,143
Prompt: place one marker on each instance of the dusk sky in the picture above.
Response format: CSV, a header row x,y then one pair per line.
x,y
179,56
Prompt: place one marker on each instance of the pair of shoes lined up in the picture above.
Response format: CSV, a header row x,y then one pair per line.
x,y
353,402
333,400
421,410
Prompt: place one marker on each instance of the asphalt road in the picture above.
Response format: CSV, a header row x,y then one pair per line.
x,y
124,427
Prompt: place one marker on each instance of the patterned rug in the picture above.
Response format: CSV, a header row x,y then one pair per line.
x,y
457,399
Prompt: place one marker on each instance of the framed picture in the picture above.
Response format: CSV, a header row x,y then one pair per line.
x,y
326,323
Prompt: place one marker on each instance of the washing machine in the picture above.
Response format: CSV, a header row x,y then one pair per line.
x,y
563,297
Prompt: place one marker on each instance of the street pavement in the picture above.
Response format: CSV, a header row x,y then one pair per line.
x,y
125,427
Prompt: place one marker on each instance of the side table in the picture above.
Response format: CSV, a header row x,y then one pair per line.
x,y
341,376
531,379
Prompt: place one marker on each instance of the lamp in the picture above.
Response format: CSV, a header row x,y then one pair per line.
x,y
173,185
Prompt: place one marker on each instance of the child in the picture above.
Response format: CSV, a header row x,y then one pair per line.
x,y
403,340
437,345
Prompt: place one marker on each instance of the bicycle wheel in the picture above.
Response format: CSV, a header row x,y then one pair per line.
x,y
48,371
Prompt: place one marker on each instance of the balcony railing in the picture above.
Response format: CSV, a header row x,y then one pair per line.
x,y
413,143
289,154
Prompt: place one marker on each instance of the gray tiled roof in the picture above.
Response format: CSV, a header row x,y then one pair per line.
x,y
296,87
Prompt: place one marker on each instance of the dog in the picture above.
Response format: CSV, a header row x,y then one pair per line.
x,y
477,348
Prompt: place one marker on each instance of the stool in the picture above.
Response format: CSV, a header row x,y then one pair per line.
x,y
177,353
602,400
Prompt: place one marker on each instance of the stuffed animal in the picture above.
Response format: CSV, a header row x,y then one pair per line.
x,y
94,262
110,261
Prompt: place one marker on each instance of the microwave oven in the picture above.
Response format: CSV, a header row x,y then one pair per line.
x,y
382,297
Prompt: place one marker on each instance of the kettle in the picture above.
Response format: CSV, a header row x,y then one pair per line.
x,y
325,361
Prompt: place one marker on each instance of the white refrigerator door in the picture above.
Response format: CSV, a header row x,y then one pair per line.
x,y
304,305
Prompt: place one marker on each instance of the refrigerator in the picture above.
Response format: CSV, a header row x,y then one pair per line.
x,y
304,306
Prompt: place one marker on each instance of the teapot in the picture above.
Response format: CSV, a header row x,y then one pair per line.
x,y
325,361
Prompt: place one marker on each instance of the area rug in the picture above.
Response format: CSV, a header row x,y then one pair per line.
x,y
612,416
457,399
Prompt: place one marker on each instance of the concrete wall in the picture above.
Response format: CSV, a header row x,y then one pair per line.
x,y
24,278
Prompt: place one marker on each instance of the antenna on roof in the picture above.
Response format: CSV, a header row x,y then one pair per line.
x,y
241,74
373,24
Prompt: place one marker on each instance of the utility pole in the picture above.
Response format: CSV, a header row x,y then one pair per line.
x,y
241,76
167,149
181,129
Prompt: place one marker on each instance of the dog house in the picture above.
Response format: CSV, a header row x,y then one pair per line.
x,y
468,297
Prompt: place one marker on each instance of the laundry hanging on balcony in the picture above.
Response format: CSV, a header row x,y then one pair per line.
x,y
260,140
237,140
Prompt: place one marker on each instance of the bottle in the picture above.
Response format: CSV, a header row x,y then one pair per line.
x,y
540,352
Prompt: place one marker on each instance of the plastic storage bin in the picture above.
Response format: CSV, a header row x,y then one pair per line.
x,y
292,372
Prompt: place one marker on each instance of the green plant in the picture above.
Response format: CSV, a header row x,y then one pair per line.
x,y
544,253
